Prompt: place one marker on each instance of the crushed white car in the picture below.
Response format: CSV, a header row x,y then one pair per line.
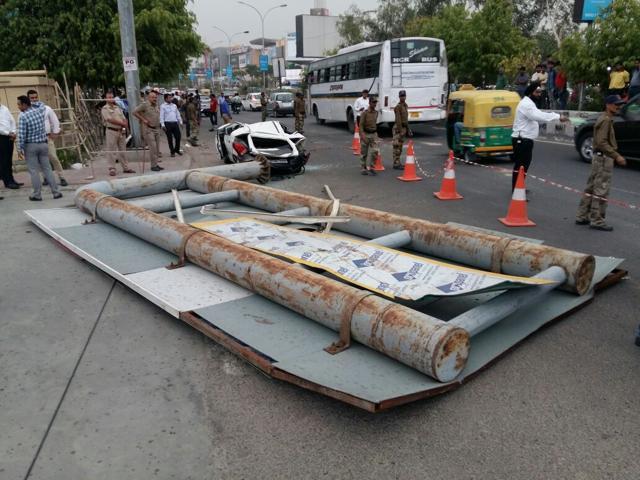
x,y
241,142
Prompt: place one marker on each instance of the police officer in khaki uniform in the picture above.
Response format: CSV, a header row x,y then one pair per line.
x,y
369,137
400,128
592,210
149,115
192,112
116,124
263,105
299,111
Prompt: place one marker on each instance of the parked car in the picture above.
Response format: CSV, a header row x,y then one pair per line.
x,y
205,102
280,103
251,102
627,128
241,142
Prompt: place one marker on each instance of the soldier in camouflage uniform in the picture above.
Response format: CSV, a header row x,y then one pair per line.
x,y
263,106
299,112
400,128
592,210
369,137
193,117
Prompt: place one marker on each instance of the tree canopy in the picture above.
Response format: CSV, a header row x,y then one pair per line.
x,y
614,37
82,39
477,42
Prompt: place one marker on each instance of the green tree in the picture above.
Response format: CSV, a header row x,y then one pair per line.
x,y
82,39
351,26
477,42
613,37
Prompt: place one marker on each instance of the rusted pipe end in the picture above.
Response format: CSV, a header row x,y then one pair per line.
x,y
450,355
584,274
265,169
87,200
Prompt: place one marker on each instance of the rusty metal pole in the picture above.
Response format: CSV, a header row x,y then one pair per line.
x,y
423,342
483,316
481,250
143,185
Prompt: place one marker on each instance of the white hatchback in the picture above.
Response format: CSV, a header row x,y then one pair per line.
x,y
252,102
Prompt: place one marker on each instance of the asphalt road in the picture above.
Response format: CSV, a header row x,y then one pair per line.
x,y
144,396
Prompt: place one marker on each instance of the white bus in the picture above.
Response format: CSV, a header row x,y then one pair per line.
x,y
415,64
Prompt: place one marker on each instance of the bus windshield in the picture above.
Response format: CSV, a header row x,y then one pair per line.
x,y
415,51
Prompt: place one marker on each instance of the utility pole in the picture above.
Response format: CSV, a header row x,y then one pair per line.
x,y
130,64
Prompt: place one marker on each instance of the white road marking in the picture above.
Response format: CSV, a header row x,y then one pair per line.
x,y
432,144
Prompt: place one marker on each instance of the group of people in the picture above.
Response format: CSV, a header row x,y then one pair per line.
x,y
366,117
33,137
622,83
593,205
551,78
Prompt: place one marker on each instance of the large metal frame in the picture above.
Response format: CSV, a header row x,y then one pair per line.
x,y
437,348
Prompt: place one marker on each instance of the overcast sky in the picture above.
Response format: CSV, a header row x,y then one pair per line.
x,y
232,17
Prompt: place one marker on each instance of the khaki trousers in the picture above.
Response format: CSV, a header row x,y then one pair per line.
x,y
53,157
599,184
115,142
368,149
152,139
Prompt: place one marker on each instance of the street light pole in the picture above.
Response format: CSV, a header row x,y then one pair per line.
x,y
130,55
262,17
229,37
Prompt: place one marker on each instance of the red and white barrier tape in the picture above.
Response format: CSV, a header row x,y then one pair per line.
x,y
611,201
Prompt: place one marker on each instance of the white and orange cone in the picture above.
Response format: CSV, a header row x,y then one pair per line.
x,y
355,144
409,173
448,186
377,166
517,214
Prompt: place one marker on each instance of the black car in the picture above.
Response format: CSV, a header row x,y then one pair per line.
x,y
626,126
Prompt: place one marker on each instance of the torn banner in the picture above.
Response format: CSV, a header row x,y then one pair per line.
x,y
383,270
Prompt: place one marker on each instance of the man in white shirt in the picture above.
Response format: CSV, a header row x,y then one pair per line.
x,y
52,125
170,121
361,105
7,137
526,128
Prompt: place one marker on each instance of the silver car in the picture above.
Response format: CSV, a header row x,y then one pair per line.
x,y
280,103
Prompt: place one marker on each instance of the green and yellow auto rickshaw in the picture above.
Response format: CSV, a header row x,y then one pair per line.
x,y
479,122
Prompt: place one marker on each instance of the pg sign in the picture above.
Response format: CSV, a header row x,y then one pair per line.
x,y
130,64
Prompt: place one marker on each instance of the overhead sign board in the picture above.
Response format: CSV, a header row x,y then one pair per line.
x,y
264,63
586,11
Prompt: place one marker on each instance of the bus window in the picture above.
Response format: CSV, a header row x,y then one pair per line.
x,y
325,77
332,74
415,51
371,66
353,71
344,72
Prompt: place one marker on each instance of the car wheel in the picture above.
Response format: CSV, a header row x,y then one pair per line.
x,y
585,147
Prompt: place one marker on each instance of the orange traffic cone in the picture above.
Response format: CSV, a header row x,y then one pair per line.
x,y
517,214
355,144
378,167
448,187
409,173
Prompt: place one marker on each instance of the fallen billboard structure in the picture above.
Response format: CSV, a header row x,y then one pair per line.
x,y
279,306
